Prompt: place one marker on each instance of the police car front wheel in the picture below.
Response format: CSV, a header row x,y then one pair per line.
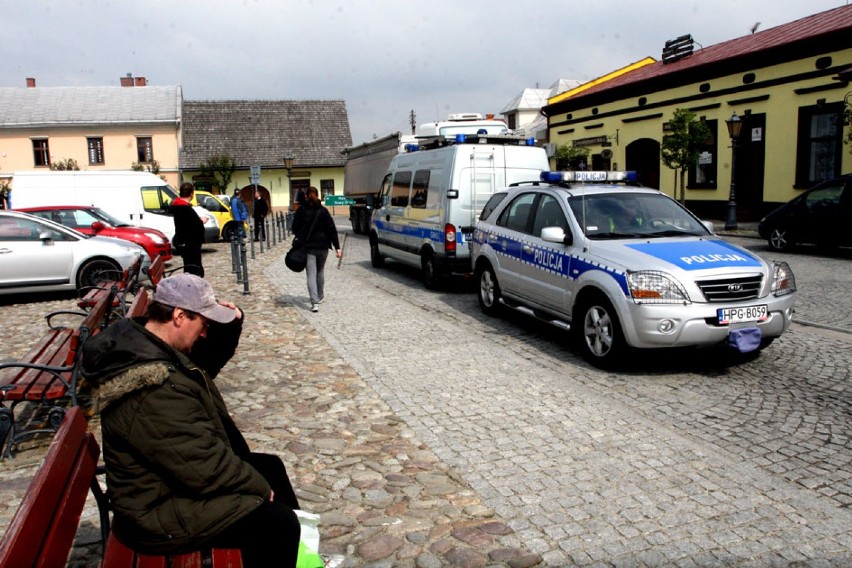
x,y
599,332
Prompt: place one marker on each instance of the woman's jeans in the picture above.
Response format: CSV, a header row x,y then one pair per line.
x,y
316,274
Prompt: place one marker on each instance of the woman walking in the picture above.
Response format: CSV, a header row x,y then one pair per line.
x,y
315,229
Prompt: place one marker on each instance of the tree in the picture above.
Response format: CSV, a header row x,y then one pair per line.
x,y
679,150
570,157
221,169
68,164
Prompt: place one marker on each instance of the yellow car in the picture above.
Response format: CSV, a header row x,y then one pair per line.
x,y
220,207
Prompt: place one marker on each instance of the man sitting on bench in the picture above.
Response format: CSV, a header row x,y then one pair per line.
x,y
180,476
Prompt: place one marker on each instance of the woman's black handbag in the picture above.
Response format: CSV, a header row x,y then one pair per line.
x,y
297,257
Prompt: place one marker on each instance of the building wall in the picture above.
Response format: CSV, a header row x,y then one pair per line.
x,y
778,91
277,183
119,148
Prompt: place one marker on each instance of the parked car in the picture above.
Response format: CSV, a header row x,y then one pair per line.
x,y
219,207
95,221
39,255
623,267
822,215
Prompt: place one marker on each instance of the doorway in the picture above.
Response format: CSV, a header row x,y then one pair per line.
x,y
643,157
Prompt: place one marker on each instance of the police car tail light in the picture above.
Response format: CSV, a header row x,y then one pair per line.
x,y
652,287
783,281
449,238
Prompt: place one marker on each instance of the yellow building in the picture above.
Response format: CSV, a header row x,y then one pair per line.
x,y
99,128
788,85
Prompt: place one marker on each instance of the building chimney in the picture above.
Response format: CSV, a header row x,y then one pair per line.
x,y
30,82
141,81
127,81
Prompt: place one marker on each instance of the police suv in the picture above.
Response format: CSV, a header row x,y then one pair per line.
x,y
623,266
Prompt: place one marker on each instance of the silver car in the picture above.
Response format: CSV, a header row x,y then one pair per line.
x,y
624,266
39,255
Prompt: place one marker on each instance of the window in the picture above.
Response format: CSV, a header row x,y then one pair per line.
x,y
420,189
703,174
326,187
516,216
399,191
144,149
820,143
549,214
41,153
96,150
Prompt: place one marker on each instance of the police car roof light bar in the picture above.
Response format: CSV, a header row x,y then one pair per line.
x,y
588,176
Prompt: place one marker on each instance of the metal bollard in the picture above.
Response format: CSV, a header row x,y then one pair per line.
x,y
245,271
235,267
251,240
272,229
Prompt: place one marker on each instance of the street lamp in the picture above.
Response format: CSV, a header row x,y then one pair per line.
x,y
288,165
734,125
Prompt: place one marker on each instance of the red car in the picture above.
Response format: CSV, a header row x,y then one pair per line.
x,y
95,221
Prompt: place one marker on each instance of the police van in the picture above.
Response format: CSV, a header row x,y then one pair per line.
x,y
432,193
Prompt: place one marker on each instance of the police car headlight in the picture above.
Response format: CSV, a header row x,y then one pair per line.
x,y
783,281
651,287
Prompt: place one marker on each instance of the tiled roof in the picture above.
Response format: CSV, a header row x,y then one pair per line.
x,y
836,22
261,132
68,106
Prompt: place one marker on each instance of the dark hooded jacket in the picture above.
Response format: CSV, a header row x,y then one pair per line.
x,y
175,475
324,235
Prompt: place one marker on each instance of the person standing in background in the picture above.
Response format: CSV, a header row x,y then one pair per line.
x,y
261,209
189,231
240,213
322,237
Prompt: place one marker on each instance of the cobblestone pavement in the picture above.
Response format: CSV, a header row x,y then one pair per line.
x,y
426,434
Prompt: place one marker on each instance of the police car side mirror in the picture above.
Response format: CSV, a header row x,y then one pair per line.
x,y
556,235
710,226
452,194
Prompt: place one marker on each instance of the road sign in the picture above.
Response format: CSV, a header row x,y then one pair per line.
x,y
332,200
255,175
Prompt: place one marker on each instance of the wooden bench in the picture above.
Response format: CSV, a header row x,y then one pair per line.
x,y
139,305
42,531
48,374
157,270
44,526
118,555
126,283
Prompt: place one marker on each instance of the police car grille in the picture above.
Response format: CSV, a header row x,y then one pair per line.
x,y
731,288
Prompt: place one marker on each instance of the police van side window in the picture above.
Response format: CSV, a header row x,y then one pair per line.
x,y
516,216
399,191
420,189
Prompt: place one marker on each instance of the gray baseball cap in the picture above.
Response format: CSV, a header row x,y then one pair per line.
x,y
192,293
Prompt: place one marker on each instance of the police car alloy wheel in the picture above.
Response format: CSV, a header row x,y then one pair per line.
x,y
599,331
489,291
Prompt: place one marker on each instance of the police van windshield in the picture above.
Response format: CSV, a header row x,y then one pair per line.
x,y
633,215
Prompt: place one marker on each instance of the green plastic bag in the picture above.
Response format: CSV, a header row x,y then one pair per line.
x,y
309,544
308,558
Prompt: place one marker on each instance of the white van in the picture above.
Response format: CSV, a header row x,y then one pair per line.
x,y
432,194
141,199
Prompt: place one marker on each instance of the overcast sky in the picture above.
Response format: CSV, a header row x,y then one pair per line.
x,y
385,58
